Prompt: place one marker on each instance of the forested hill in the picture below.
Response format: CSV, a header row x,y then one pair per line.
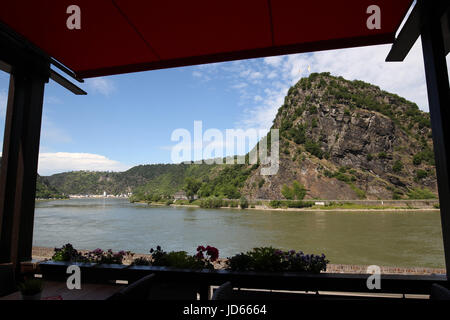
x,y
340,139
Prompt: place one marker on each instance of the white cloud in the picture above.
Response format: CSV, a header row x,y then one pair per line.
x,y
50,163
101,85
406,79
269,78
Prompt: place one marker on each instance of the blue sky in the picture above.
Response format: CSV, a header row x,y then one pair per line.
x,y
128,119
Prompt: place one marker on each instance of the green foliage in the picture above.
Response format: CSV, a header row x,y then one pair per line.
x,y
369,157
382,155
290,204
181,259
398,166
67,253
211,203
426,155
269,259
46,191
312,109
287,192
191,186
298,134
360,193
314,148
421,174
141,261
297,191
243,202
419,193
261,183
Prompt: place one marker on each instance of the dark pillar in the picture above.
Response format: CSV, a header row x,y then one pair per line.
x,y
20,158
439,103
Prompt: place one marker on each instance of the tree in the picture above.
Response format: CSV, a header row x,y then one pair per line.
x,y
287,192
298,190
398,166
191,187
244,203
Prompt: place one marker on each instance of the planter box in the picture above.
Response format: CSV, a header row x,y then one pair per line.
x,y
57,270
202,279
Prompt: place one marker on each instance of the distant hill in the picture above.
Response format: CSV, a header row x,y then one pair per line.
x,y
340,139
44,190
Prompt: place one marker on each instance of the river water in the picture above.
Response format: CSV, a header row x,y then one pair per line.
x,y
403,239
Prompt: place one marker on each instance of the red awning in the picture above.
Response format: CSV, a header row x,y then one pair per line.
x,y
119,36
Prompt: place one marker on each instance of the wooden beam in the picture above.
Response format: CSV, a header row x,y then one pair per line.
x,y
66,83
411,30
439,105
20,159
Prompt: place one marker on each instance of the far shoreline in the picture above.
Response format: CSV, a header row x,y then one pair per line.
x,y
315,208
265,208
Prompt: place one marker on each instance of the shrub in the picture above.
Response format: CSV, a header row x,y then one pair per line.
x,y
180,259
243,203
268,259
211,203
314,148
398,166
287,192
275,203
261,183
382,155
105,257
299,204
312,109
141,261
421,174
418,193
67,253
297,191
369,157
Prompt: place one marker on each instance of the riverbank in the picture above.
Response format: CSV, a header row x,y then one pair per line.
x,y
336,207
42,253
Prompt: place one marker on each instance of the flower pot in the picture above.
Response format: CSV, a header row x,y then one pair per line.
x,y
36,296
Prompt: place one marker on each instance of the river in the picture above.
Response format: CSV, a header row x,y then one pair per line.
x,y
403,239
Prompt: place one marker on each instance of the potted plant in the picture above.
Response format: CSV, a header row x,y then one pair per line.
x,y
31,289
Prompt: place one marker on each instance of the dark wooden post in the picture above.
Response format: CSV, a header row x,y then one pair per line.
x,y
439,104
20,158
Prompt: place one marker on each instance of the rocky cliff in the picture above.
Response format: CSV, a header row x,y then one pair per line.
x,y
349,140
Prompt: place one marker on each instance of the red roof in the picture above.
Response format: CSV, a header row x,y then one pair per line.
x,y
119,36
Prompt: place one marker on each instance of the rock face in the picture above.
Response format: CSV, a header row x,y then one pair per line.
x,y
349,140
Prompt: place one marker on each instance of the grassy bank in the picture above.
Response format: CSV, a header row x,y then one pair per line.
x,y
300,205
